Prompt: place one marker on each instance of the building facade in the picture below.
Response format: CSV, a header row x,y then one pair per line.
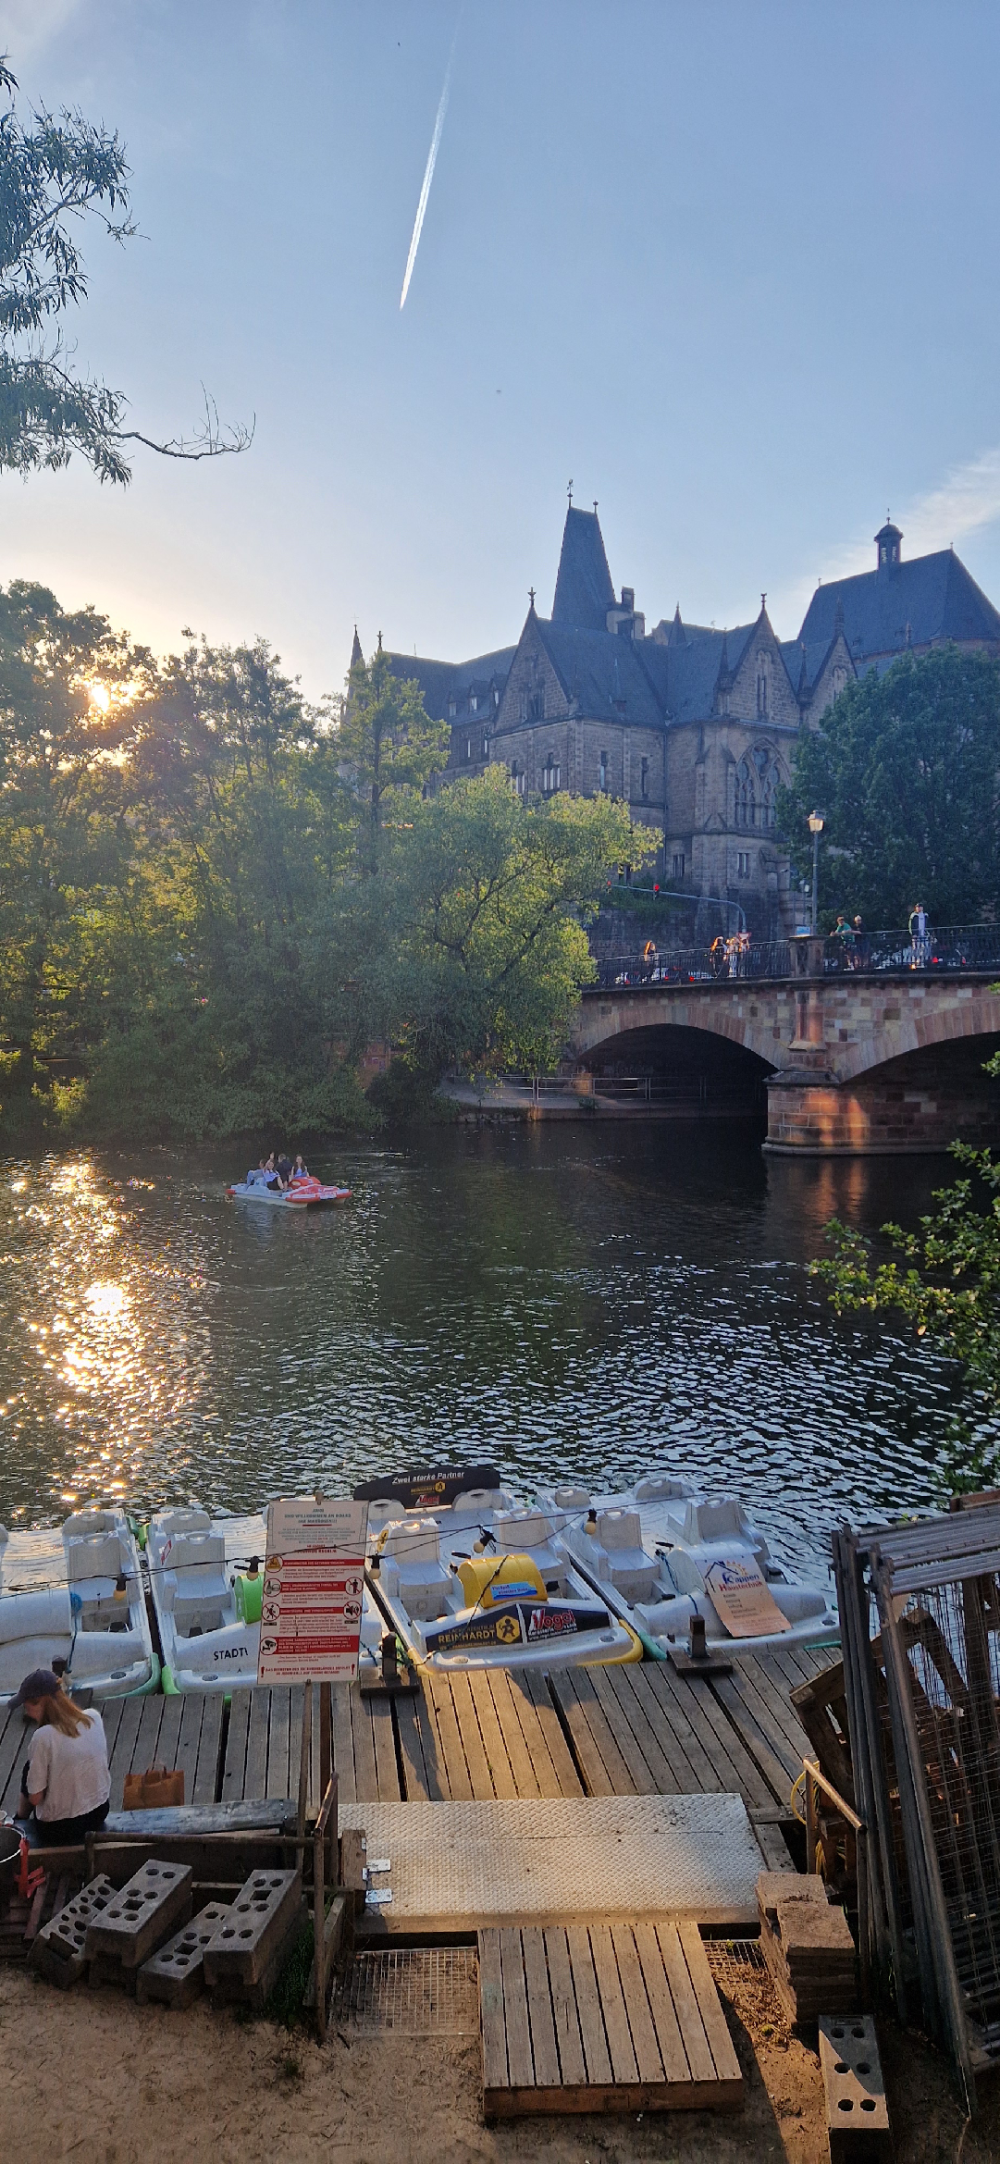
x,y
695,729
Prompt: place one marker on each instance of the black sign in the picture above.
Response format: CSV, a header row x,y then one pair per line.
x,y
426,1487
500,1628
537,1623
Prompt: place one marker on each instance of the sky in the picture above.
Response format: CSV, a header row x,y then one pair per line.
x,y
731,268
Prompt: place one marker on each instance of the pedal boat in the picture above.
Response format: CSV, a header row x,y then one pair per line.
x,y
207,1599
661,1553
469,1578
301,1195
74,1593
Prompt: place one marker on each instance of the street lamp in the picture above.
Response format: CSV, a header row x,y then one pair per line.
x,y
817,821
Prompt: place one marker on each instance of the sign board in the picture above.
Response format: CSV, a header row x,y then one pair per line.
x,y
314,1589
742,1599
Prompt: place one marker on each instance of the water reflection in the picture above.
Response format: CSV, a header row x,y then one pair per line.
x,y
572,1300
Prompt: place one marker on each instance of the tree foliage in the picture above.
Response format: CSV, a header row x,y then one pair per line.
x,y
947,1286
55,172
193,940
906,768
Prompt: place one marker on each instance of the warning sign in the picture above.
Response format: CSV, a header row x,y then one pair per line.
x,y
314,1589
742,1600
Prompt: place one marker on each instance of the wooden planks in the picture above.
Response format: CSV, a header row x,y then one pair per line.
x,y
616,2017
492,1732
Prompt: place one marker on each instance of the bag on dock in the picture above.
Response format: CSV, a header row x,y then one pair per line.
x,y
151,1790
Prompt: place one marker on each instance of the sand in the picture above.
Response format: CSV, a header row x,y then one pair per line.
x,y
90,2075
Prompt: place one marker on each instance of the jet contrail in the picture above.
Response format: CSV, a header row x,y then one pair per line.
x,y
418,222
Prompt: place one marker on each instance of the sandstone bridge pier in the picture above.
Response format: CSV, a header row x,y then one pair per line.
x,y
883,1057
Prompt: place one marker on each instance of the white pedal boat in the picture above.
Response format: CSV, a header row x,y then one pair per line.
x,y
662,1552
207,1597
469,1578
302,1195
74,1593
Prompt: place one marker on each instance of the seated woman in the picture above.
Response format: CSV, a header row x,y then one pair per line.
x,y
66,1781
257,1175
300,1170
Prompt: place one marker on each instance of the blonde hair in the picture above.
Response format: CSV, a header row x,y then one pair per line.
x,y
62,1713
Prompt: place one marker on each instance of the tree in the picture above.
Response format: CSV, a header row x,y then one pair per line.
x,y
906,769
54,173
948,1288
388,748
486,895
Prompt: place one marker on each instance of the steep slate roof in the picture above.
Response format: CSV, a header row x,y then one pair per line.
x,y
441,680
597,668
935,595
816,651
693,668
584,592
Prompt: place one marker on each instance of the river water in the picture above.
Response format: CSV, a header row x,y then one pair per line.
x,y
586,1301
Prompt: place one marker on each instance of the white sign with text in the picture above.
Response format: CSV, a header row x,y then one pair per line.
x,y
314,1590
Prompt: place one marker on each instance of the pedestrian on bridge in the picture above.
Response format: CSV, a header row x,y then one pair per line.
x,y
918,931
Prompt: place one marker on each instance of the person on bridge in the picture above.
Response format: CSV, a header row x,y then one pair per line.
x,y
918,935
717,952
862,947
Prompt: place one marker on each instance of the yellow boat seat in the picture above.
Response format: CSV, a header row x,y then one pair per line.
x,y
487,1579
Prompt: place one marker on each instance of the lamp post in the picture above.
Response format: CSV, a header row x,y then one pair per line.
x,y
817,821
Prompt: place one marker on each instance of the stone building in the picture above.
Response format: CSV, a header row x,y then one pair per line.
x,y
694,728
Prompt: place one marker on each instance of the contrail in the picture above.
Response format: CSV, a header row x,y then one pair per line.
x,y
418,223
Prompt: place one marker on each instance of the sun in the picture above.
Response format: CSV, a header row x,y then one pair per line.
x,y
99,696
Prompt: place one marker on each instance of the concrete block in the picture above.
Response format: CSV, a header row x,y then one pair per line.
x,y
856,2109
59,1951
142,1915
229,1988
241,1947
176,1973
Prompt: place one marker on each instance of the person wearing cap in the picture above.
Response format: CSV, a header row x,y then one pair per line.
x,y
66,1780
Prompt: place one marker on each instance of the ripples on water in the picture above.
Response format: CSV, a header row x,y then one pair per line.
x,y
585,1301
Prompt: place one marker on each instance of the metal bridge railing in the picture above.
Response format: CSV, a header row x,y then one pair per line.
x,y
951,949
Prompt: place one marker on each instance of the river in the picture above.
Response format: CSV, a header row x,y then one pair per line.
x,y
583,1300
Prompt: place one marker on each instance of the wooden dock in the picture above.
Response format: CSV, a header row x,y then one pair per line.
x,y
620,2017
636,1730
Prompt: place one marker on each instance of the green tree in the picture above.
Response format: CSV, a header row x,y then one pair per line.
x,y
487,900
947,1287
906,768
389,749
56,171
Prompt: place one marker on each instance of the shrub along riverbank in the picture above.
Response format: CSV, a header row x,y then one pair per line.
x,y
215,897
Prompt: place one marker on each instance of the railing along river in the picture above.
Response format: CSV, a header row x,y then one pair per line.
x,y
971,948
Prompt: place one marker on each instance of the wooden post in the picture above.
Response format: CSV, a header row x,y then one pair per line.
x,y
325,1737
810,1820
305,1761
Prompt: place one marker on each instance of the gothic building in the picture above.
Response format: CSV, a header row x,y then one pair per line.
x,y
694,728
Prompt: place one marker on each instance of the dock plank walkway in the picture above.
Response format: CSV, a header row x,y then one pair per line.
x,y
621,2017
504,1733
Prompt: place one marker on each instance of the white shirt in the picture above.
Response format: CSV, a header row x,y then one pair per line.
x,y
73,1770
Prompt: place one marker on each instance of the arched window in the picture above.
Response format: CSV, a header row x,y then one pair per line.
x,y
757,781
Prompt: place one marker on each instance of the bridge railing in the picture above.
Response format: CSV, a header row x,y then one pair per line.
x,y
948,949
694,965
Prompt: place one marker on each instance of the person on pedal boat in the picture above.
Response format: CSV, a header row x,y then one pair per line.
x,y
284,1167
300,1170
66,1782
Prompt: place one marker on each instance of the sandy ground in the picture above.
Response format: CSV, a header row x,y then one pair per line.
x,y
89,2075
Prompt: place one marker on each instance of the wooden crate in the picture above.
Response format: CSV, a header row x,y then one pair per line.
x,y
613,2017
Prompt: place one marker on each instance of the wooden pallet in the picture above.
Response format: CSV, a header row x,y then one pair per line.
x,y
615,2017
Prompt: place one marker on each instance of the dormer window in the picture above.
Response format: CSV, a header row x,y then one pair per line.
x,y
452,708
473,703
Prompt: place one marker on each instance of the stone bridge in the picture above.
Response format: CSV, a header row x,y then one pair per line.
x,y
853,1064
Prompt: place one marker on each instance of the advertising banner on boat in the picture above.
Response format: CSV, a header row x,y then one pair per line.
x,y
743,1601
313,1597
516,1625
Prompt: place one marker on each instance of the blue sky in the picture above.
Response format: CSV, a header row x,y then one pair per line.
x,y
730,264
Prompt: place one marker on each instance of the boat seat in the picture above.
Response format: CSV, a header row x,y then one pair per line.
x,y
619,1549
531,1532
190,1551
412,1571
93,1555
661,1487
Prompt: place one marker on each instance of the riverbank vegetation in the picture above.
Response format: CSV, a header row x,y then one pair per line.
x,y
946,1286
216,898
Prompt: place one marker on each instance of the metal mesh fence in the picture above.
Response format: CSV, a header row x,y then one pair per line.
x,y
411,1991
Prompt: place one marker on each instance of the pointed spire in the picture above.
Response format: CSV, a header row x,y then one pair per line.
x,y
677,635
763,609
380,642
584,592
357,657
